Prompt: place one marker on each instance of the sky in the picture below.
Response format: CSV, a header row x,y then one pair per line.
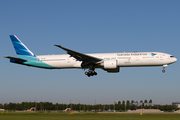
x,y
94,26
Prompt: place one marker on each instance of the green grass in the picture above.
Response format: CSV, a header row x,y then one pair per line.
x,y
88,116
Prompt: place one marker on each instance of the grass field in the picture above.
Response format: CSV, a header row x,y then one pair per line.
x,y
87,116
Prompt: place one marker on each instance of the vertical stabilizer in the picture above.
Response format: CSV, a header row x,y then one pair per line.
x,y
19,47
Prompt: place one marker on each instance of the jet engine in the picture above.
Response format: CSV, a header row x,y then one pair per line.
x,y
111,66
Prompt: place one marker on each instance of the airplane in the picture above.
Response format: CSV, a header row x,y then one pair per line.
x,y
110,62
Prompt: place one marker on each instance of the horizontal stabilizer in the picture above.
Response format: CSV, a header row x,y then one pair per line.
x,y
17,59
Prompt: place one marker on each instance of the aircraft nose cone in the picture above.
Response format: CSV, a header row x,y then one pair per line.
x,y
175,59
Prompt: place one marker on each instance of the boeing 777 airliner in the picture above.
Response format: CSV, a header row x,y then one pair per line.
x,y
110,62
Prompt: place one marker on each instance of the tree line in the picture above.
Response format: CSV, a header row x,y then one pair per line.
x,y
118,106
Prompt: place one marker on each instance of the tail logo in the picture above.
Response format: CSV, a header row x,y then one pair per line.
x,y
19,47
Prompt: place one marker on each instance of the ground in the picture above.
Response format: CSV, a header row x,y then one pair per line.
x,y
89,116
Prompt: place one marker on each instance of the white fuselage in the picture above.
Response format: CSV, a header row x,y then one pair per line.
x,y
133,59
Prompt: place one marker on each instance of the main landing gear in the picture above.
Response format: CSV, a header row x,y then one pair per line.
x,y
164,66
90,73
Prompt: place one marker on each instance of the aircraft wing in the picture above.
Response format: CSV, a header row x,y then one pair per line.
x,y
79,56
18,59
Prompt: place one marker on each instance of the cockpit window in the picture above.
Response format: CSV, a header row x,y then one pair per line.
x,y
171,56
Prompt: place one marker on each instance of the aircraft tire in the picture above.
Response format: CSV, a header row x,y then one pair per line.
x,y
86,73
95,73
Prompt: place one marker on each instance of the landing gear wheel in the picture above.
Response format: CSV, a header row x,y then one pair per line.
x,y
163,71
86,73
90,73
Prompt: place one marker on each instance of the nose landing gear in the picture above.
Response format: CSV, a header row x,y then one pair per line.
x,y
164,66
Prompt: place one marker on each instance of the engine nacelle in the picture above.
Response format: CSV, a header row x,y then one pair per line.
x,y
112,70
111,66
